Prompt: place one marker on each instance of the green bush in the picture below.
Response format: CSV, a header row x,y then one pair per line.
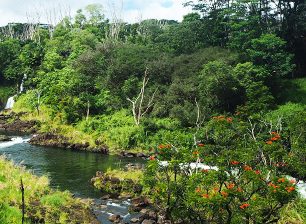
x,y
248,184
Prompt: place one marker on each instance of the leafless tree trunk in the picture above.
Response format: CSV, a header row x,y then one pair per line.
x,y
88,110
137,105
116,21
199,121
38,94
22,200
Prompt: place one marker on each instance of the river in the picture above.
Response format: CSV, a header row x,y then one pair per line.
x,y
69,170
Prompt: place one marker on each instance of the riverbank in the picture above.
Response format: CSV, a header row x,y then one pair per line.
x,y
42,204
53,133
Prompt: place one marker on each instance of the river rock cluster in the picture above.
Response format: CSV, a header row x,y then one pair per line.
x,y
55,140
12,123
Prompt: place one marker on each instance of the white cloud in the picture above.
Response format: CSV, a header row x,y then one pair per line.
x,y
132,10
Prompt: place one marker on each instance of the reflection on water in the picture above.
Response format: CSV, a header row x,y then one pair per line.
x,y
66,169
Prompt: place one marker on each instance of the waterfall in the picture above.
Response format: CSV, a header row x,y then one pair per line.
x,y
22,82
10,103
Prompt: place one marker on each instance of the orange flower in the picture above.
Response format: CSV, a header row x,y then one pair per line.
x,y
205,195
198,190
229,120
281,180
289,189
269,142
243,206
273,185
201,145
257,172
152,158
235,162
247,168
274,139
239,189
216,189
293,181
224,194
204,171
195,153
231,186
161,146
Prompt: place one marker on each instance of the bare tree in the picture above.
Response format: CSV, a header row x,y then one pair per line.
x,y
116,23
199,121
138,108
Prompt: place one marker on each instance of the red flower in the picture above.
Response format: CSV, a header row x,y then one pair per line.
x,y
152,158
235,162
201,145
243,206
204,171
269,142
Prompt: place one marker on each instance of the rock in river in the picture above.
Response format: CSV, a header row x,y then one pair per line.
x,y
4,138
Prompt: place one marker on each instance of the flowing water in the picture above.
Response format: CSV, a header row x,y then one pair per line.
x,y
69,170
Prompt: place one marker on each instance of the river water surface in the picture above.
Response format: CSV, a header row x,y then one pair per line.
x,y
68,170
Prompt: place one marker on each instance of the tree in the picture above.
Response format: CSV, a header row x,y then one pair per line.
x,y
138,109
219,90
269,51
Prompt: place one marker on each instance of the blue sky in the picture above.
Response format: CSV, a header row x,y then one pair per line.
x,y
128,10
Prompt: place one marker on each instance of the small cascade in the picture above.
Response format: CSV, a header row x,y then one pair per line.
x,y
15,141
22,82
10,103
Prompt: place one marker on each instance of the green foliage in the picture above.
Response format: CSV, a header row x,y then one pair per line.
x,y
5,93
41,202
294,90
269,51
247,184
57,200
219,89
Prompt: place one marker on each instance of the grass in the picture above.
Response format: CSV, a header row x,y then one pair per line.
x,y
294,213
135,175
41,202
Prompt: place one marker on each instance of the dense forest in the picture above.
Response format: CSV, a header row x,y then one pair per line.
x,y
225,87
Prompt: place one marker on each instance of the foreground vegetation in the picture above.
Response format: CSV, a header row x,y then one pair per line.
x,y
42,205
224,87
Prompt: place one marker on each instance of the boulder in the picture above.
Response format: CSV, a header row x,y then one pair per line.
x,y
148,221
4,138
115,218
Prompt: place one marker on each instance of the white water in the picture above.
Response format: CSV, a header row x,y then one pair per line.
x,y
10,103
15,141
22,82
